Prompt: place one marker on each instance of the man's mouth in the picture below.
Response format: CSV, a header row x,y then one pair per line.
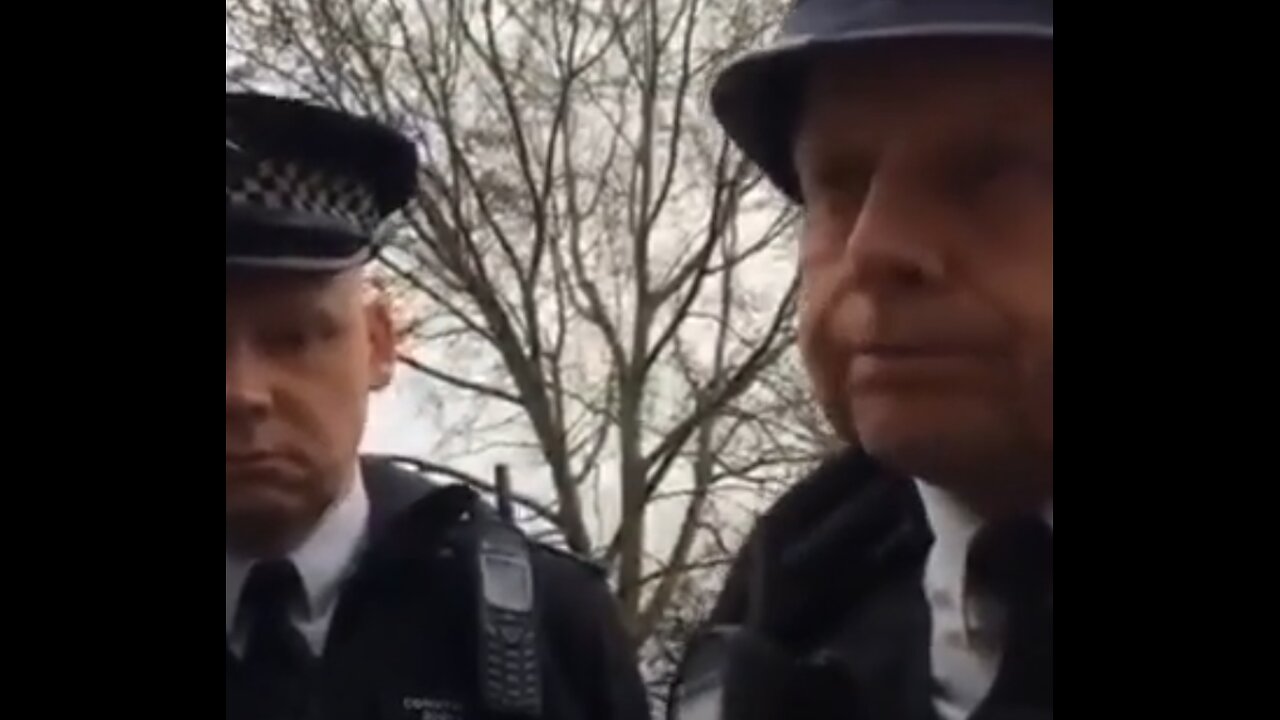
x,y
254,461
901,350
901,365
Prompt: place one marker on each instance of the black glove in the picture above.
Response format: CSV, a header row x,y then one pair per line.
x,y
731,673
763,682
824,547
805,568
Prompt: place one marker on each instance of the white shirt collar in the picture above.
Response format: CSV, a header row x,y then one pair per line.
x,y
954,526
963,657
323,561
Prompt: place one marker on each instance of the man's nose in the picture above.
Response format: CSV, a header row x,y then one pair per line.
x,y
897,242
248,389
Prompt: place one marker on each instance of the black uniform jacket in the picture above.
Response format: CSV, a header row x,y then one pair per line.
x,y
404,640
830,592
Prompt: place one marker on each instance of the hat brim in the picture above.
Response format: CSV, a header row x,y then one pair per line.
x,y
757,98
258,240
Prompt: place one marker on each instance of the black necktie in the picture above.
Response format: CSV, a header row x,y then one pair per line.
x,y
1012,562
277,661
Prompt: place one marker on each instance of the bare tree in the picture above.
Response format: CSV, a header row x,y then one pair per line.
x,y
589,266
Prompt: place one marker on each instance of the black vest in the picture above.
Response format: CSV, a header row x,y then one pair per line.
x,y
404,640
396,592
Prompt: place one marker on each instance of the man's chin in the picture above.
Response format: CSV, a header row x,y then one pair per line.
x,y
262,522
973,456
932,441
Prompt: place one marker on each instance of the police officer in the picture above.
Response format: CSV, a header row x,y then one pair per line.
x,y
910,577
356,590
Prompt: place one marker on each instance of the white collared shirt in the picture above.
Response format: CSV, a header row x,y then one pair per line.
x,y
324,561
965,650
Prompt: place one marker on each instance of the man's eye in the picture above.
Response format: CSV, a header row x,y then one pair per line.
x,y
286,342
845,179
834,195
995,166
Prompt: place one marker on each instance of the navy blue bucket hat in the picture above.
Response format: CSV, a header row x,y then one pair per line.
x,y
756,99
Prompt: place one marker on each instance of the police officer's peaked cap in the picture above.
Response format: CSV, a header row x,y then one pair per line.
x,y
308,186
750,96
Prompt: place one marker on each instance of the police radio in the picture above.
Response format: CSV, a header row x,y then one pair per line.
x,y
510,676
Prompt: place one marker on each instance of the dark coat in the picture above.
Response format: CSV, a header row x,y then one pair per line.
x,y
403,645
829,593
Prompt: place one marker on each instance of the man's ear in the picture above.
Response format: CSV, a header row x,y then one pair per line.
x,y
382,342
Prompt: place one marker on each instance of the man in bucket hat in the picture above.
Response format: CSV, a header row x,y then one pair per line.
x,y
910,577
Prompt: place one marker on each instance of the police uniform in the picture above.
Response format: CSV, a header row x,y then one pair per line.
x,y
861,595
408,601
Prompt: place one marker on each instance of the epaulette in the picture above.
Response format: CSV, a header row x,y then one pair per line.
x,y
591,566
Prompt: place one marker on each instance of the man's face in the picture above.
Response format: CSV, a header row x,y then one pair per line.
x,y
303,354
927,257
